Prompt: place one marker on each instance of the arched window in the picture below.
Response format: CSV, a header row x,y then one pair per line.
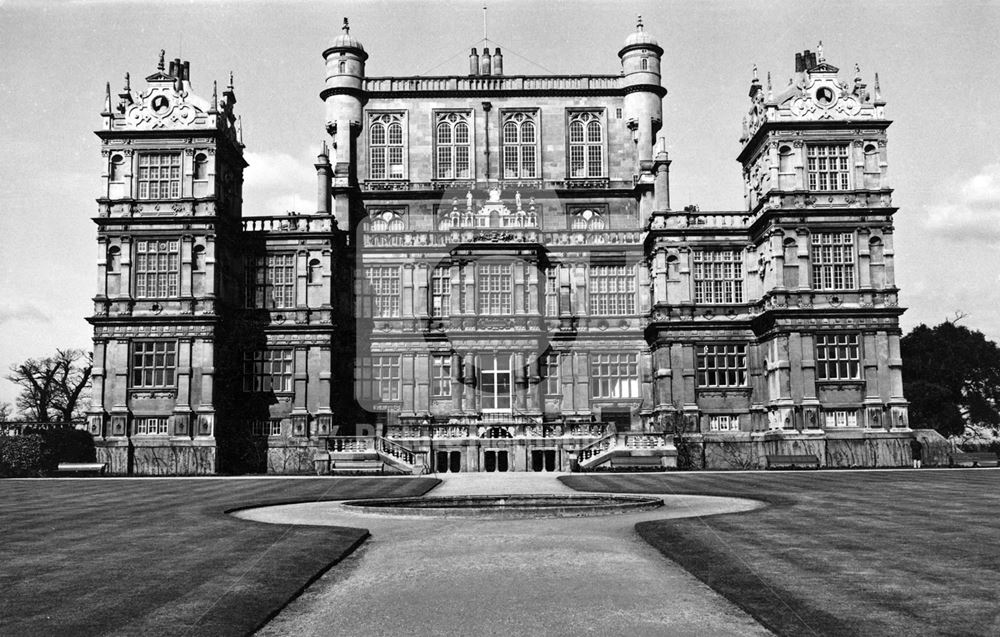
x,y
586,145
790,276
644,64
198,258
453,146
315,271
200,167
876,255
117,168
588,220
342,67
387,221
114,259
387,146
786,174
872,168
520,149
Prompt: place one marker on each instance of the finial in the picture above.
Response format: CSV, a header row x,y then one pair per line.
x,y
347,27
638,24
819,52
159,66
770,90
230,81
128,83
755,78
878,91
857,69
215,95
239,129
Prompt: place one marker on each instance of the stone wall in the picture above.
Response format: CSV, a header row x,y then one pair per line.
x,y
834,449
166,459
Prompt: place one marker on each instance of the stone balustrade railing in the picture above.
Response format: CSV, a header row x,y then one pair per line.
x,y
493,83
443,238
290,223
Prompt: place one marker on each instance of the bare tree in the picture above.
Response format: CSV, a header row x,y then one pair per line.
x,y
51,387
6,411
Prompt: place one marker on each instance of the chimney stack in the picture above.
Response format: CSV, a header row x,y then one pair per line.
x,y
800,64
497,62
474,62
484,62
186,73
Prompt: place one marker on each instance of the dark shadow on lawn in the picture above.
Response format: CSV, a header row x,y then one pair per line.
x,y
126,557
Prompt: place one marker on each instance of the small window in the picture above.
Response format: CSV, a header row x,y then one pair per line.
x,y
342,66
644,64
724,422
200,167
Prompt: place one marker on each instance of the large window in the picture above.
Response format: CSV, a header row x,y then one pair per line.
x,y
268,370
718,276
380,377
454,147
838,357
550,372
441,375
386,146
833,260
551,292
612,290
271,281
441,291
614,375
722,366
159,175
157,265
520,146
495,383
383,280
154,364
586,144
495,289
827,167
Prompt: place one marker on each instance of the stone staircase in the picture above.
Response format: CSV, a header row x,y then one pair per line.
x,y
358,455
628,451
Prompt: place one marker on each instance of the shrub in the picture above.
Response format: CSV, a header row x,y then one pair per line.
x,y
39,451
21,456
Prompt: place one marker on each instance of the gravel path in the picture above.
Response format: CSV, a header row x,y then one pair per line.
x,y
572,576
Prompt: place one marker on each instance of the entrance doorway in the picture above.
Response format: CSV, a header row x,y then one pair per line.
x,y
496,460
543,459
448,461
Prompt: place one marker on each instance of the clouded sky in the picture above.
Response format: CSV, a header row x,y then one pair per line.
x,y
937,62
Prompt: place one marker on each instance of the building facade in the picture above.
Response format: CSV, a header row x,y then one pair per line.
x,y
494,280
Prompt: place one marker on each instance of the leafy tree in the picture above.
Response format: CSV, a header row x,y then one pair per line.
x,y
51,387
950,373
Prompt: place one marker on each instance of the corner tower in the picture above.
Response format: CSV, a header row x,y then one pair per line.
x,y
168,274
819,203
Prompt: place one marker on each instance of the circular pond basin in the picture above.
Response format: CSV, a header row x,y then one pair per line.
x,y
508,506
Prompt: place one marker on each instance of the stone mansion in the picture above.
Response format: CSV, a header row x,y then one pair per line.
x,y
493,279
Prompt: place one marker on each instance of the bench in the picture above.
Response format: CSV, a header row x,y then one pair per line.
x,y
791,461
973,459
83,468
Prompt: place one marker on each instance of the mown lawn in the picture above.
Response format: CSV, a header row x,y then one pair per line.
x,y
840,553
160,556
